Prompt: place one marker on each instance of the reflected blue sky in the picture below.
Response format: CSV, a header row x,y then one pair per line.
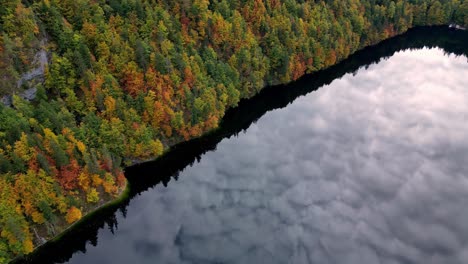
x,y
372,168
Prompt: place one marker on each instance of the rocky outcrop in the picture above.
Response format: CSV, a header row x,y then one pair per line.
x,y
30,79
36,73
28,94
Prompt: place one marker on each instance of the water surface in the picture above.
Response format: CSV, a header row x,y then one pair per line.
x,y
372,168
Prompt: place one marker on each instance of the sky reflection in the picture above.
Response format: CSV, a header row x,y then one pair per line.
x,y
372,168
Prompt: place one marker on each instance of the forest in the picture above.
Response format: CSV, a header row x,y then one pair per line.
x,y
126,80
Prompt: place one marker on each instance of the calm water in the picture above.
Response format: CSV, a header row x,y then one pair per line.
x,y
370,168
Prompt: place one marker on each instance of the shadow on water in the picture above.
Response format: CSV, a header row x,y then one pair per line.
x,y
145,176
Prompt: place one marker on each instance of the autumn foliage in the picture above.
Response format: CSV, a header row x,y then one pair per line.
x,y
73,215
128,79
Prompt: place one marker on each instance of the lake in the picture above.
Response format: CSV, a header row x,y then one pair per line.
x,y
365,162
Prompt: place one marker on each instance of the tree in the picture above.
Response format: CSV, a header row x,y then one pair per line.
x,y
435,15
73,215
92,196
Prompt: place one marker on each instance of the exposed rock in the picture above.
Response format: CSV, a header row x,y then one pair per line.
x,y
29,94
31,78
36,73
7,100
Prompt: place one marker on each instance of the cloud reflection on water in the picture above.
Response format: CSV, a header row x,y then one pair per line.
x,y
372,168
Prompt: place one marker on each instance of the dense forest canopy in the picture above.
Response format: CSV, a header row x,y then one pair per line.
x,y
125,80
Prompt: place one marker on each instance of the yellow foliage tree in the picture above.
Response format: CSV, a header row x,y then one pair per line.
x,y
92,196
22,148
73,215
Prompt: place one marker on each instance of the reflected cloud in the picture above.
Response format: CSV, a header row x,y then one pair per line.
x,y
369,169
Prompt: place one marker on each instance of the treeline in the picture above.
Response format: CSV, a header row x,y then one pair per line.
x,y
128,79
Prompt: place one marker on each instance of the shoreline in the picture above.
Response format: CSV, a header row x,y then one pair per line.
x,y
123,194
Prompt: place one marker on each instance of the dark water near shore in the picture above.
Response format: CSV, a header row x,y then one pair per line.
x,y
366,162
